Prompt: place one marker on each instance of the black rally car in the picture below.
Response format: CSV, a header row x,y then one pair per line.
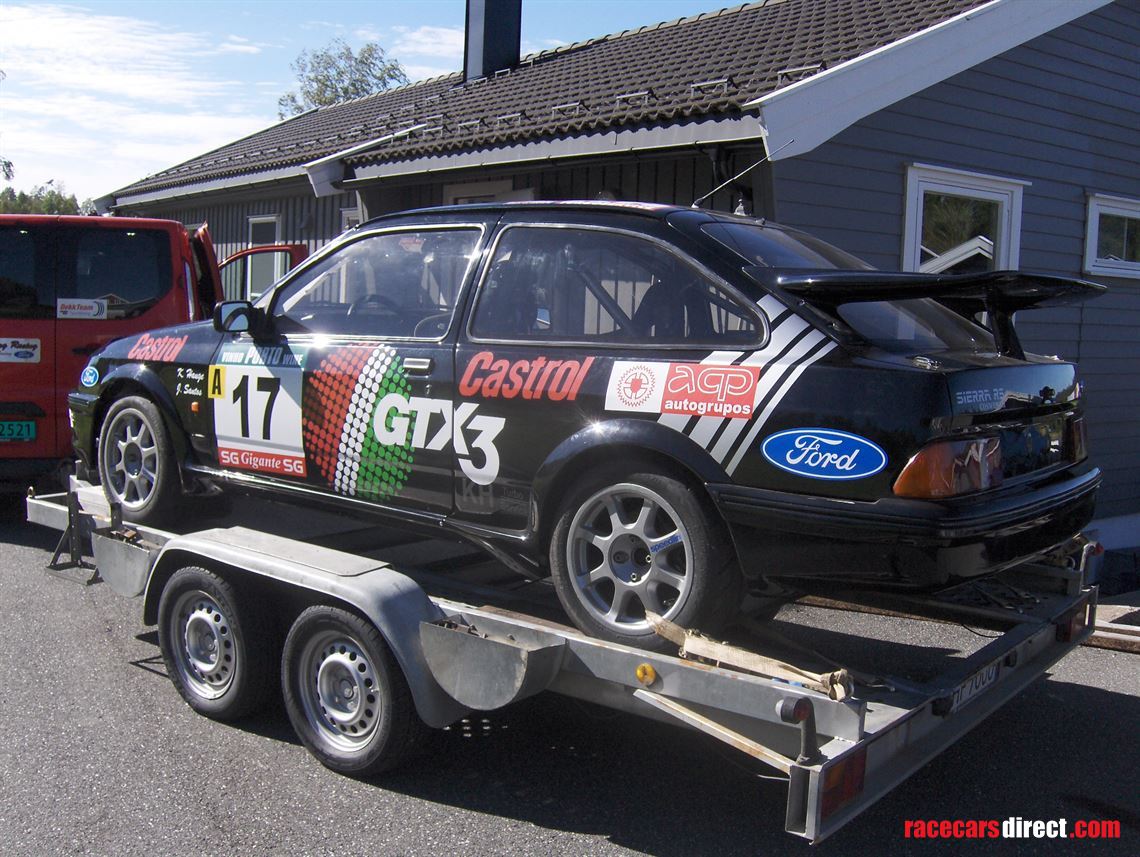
x,y
657,406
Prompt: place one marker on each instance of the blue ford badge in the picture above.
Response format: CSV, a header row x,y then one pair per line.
x,y
824,454
90,377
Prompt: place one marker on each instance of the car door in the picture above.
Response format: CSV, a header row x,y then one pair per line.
x,y
577,323
351,394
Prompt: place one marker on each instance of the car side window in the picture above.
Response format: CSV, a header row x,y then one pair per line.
x,y
592,285
399,284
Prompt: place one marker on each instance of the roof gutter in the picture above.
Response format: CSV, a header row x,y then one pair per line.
x,y
111,201
741,129
327,172
808,113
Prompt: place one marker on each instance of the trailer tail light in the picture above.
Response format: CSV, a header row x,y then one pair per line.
x,y
952,467
1073,623
843,782
1078,440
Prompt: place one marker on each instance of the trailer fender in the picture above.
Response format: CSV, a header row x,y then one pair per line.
x,y
391,601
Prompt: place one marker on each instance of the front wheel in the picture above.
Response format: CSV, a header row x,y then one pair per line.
x,y
217,646
345,694
627,543
137,465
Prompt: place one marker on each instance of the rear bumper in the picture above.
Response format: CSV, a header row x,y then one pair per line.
x,y
906,544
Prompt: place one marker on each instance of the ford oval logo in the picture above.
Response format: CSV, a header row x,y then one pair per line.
x,y
24,355
90,377
824,454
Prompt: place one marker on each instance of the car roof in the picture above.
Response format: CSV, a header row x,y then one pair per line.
x,y
649,209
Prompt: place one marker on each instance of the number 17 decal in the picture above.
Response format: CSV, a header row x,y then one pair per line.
x,y
257,418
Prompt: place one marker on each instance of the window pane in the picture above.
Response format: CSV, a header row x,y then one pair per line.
x,y
574,285
773,247
129,270
263,270
19,297
958,233
401,284
1118,238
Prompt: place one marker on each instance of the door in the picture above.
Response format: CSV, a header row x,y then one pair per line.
x,y
28,405
352,392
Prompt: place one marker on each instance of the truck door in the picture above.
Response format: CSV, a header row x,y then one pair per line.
x,y
28,406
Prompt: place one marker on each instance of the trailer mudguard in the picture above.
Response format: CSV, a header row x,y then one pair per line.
x,y
393,602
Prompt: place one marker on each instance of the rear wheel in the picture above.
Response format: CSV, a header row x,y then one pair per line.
x,y
217,646
346,695
627,543
137,466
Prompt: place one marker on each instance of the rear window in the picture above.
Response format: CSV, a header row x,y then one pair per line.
x,y
25,280
129,269
776,247
921,324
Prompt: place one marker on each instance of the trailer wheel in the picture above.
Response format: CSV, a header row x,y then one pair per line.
x,y
346,695
627,543
136,462
217,646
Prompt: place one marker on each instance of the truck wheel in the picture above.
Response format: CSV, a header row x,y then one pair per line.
x,y
346,695
626,543
217,646
136,462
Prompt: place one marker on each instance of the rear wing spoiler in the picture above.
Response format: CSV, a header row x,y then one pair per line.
x,y
998,293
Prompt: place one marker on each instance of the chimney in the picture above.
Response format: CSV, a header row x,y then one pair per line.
x,y
494,30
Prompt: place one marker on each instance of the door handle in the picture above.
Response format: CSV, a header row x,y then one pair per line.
x,y
418,365
85,350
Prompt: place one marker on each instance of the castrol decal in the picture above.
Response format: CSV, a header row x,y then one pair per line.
x,y
539,378
162,349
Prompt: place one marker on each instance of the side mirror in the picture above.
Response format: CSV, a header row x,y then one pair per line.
x,y
235,317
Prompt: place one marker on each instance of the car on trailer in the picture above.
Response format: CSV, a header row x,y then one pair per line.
x,y
662,408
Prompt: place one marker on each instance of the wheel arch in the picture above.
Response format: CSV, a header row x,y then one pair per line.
x,y
393,603
620,440
135,380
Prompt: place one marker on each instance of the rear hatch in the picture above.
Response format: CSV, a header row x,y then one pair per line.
x,y
1024,409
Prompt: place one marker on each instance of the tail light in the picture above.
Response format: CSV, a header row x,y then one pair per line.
x,y
952,467
843,781
1078,440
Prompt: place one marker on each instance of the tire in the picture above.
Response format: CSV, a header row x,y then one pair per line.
x,y
137,466
626,542
346,695
218,647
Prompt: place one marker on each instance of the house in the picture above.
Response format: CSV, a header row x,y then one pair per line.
x,y
918,134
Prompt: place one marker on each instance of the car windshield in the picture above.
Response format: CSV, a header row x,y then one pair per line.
x,y
920,324
777,247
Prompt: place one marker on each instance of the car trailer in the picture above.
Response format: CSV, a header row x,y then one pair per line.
x,y
369,649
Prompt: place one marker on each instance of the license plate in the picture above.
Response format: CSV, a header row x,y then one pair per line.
x,y
17,430
975,685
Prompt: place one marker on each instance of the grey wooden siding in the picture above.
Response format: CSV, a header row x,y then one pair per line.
x,y
1062,112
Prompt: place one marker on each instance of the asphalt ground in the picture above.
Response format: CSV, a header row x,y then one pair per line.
x,y
100,755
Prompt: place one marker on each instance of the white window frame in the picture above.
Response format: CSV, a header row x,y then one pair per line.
x,y
278,268
350,217
499,190
1099,204
1006,192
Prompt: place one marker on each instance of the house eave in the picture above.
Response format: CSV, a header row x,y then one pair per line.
x,y
116,200
808,113
734,129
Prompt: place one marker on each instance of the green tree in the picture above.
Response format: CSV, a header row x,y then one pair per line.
x,y
5,165
45,199
334,74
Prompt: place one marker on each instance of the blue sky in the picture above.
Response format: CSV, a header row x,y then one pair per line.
x,y
100,94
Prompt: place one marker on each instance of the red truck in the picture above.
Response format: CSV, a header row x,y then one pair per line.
x,y
70,285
